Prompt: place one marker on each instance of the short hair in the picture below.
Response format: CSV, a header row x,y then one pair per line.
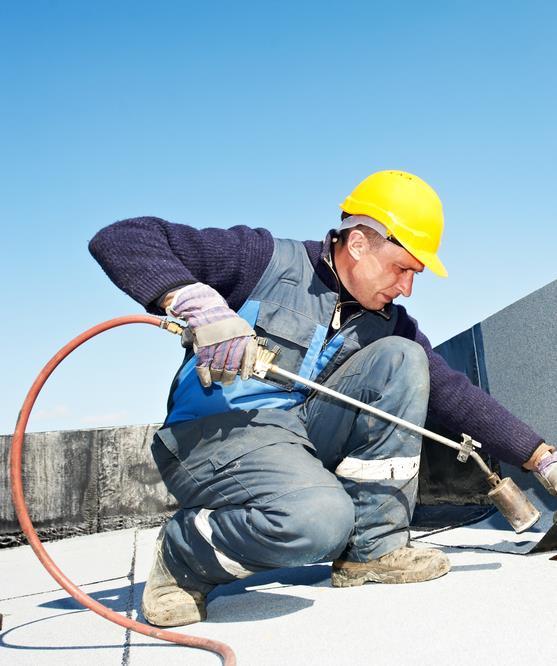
x,y
374,239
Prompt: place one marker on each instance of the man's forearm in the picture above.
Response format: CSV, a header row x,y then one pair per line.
x,y
147,257
461,407
137,256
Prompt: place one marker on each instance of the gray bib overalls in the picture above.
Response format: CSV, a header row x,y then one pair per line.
x,y
268,475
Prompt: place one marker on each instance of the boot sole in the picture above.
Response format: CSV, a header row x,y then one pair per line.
x,y
171,619
340,578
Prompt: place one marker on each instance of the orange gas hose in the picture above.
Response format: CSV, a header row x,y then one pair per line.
x,y
18,497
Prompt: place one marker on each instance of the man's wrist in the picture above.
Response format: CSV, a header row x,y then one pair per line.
x,y
165,299
532,462
177,301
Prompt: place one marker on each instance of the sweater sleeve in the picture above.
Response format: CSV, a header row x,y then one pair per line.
x,y
462,407
147,257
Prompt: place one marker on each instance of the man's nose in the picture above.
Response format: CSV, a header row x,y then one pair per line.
x,y
405,283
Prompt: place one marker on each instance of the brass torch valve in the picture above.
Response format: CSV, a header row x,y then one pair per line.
x,y
265,357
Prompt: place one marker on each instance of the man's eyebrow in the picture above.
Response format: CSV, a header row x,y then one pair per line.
x,y
405,267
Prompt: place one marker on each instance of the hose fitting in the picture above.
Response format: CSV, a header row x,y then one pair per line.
x,y
173,326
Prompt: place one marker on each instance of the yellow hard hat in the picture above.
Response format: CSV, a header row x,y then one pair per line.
x,y
408,207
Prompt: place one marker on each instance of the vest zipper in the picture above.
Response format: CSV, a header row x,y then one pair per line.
x,y
337,313
335,322
341,328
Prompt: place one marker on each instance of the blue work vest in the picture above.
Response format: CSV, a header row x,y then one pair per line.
x,y
292,308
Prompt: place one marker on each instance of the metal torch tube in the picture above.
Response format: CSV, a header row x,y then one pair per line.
x,y
480,462
276,370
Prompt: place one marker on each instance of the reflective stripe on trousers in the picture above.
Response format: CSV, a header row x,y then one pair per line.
x,y
378,470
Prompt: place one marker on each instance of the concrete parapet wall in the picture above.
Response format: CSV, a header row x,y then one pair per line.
x,y
84,481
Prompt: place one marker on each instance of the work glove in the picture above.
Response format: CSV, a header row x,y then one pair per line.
x,y
223,342
546,471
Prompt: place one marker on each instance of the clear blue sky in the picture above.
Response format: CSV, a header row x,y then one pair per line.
x,y
264,113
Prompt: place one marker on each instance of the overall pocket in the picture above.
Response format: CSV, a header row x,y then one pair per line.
x,y
291,331
204,448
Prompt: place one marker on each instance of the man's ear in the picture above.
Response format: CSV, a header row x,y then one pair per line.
x,y
357,244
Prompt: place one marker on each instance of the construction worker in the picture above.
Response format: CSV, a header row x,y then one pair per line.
x,y
266,473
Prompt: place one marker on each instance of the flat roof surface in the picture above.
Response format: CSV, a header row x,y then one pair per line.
x,y
493,606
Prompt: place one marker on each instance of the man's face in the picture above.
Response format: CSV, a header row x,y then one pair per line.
x,y
381,275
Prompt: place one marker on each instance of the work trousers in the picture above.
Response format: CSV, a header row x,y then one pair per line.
x,y
273,488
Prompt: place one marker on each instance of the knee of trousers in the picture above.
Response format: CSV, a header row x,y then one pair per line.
x,y
399,362
307,525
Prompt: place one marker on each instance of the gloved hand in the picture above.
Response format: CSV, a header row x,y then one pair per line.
x,y
546,471
223,342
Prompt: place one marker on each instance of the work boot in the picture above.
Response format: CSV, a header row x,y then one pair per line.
x,y
165,603
403,565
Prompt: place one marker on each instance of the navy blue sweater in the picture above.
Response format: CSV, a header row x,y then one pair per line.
x,y
147,257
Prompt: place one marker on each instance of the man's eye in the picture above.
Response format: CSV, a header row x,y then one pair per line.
x,y
402,269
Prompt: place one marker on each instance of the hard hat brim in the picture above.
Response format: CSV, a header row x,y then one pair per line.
x,y
429,260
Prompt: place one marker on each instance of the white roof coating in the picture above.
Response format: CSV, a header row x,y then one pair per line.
x,y
493,605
